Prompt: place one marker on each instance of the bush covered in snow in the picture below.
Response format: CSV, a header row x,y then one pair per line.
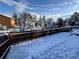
x,y
75,31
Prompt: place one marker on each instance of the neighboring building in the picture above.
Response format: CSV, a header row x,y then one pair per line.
x,y
67,21
75,18
7,21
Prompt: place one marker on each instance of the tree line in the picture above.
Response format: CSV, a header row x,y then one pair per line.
x,y
26,21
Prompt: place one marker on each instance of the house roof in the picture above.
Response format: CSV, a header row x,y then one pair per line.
x,y
5,16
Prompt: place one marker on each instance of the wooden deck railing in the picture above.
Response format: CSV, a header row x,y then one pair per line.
x,y
4,44
15,37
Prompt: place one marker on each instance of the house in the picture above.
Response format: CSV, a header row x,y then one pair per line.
x,y
7,21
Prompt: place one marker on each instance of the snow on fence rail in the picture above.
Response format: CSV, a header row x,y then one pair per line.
x,y
17,37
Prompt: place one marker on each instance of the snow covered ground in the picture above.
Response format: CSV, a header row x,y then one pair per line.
x,y
57,46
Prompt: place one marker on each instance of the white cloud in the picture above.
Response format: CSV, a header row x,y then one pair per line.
x,y
54,9
62,4
20,7
8,2
76,1
53,5
67,3
62,15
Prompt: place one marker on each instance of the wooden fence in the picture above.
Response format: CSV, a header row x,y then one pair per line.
x,y
15,37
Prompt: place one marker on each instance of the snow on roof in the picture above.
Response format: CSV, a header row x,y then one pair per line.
x,y
5,15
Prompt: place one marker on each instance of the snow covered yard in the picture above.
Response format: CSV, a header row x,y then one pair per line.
x,y
57,46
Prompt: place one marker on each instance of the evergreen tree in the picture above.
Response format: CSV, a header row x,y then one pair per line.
x,y
60,22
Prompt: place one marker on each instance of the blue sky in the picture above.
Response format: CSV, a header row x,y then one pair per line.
x,y
53,8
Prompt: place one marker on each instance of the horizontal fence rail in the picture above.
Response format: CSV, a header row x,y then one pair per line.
x,y
3,38
18,37
4,44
